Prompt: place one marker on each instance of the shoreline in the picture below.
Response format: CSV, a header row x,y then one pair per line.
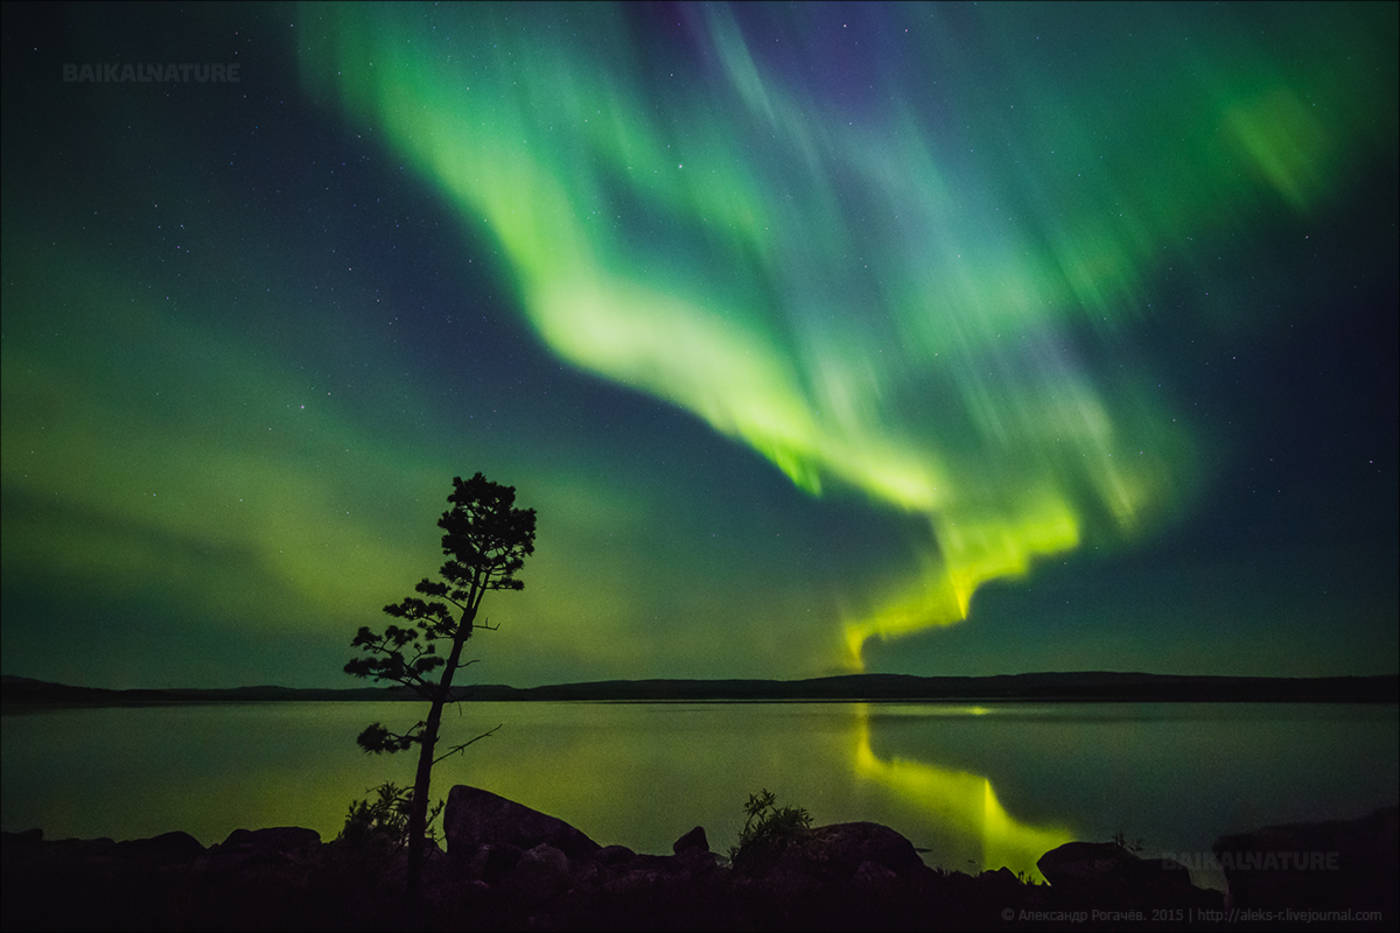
x,y
507,866
19,694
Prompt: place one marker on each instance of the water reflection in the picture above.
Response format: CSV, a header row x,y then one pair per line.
x,y
960,802
977,786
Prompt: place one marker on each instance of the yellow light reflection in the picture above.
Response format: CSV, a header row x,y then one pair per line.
x,y
965,803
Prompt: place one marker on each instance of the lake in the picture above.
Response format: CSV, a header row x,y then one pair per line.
x,y
977,786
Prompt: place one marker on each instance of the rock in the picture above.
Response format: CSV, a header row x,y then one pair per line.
x,y
1337,865
612,855
166,849
491,863
101,847
875,879
1107,872
279,839
645,892
658,864
692,841
835,852
542,872
1091,865
476,817
846,876
280,855
694,850
1003,879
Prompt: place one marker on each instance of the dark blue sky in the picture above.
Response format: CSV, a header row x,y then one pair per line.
x,y
939,340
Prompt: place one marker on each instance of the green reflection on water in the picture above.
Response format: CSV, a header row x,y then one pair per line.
x,y
962,801
979,787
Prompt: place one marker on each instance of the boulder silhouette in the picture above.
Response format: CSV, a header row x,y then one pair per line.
x,y
542,872
166,849
1107,870
1341,865
476,817
693,840
836,852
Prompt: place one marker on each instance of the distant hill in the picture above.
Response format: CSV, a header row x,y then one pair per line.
x,y
19,692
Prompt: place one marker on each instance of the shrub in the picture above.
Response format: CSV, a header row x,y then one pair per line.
x,y
768,829
384,815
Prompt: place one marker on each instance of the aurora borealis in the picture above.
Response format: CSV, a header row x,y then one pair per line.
x,y
938,339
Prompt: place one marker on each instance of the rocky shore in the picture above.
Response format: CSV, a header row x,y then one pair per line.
x,y
507,866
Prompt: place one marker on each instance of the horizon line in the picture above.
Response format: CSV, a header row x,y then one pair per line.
x,y
739,680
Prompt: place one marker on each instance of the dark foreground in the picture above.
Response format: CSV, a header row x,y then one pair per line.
x,y
510,867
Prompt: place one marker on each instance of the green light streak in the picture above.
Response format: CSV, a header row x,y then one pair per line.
x,y
906,299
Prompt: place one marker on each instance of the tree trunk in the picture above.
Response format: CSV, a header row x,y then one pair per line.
x,y
418,815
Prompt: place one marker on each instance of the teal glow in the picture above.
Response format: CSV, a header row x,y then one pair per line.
x,y
889,258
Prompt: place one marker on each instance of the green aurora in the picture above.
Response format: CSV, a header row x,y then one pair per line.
x,y
860,309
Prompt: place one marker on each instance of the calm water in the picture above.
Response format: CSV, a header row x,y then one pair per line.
x,y
979,786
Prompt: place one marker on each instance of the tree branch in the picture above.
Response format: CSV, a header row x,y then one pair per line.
x,y
457,748
406,675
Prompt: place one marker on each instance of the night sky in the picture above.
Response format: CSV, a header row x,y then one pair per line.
x,y
933,339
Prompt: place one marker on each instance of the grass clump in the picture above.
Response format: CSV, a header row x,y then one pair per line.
x,y
768,830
